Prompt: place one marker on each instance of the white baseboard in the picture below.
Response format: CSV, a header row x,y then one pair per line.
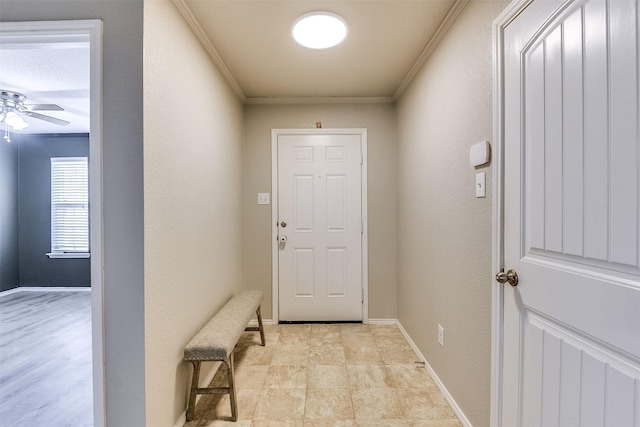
x,y
207,380
382,322
265,322
182,420
463,419
43,289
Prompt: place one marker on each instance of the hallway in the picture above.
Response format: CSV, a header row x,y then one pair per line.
x,y
328,375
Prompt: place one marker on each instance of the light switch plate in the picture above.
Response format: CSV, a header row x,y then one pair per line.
x,y
481,185
263,198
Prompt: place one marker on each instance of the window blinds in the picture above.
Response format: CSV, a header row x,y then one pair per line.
x,y
69,205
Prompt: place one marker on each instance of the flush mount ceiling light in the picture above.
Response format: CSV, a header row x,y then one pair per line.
x,y
319,30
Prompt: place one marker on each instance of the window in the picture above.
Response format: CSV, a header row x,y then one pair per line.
x,y
69,207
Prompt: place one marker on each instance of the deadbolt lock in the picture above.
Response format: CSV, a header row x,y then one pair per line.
x,y
283,224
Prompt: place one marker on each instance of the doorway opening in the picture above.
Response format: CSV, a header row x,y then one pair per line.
x,y
64,35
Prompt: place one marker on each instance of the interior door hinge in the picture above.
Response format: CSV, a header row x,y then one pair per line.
x,y
362,294
361,227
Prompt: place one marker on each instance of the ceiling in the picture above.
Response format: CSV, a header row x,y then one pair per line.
x,y
50,72
250,41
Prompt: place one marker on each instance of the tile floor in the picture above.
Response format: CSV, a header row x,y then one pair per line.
x,y
322,375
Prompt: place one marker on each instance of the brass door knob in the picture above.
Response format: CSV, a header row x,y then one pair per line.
x,y
510,277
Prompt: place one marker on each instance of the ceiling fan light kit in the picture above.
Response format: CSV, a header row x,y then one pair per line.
x,y
12,107
319,30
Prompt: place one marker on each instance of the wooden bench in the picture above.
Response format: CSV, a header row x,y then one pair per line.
x,y
216,342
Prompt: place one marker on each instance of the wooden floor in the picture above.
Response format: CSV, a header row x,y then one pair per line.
x,y
45,359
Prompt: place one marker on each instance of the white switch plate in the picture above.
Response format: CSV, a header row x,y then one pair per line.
x,y
481,185
263,198
441,336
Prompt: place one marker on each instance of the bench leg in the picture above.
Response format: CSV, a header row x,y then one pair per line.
x,y
264,342
232,387
194,388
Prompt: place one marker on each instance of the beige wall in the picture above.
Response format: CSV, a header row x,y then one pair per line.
x,y
192,201
379,119
444,232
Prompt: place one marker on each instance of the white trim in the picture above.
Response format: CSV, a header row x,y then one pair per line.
x,y
55,255
265,322
182,420
448,20
274,211
365,227
81,31
383,322
323,100
497,290
454,405
207,380
208,46
274,228
44,289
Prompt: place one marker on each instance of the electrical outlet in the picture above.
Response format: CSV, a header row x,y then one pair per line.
x,y
441,336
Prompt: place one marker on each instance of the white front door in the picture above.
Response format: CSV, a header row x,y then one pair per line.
x,y
319,217
571,349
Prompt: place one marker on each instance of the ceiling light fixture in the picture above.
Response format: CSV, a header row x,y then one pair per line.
x,y
12,107
319,30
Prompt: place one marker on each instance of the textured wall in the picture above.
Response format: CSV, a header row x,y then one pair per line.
x,y
379,119
9,268
36,269
193,202
444,232
122,191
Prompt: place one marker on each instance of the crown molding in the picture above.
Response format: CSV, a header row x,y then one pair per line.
x,y
448,20
322,100
200,34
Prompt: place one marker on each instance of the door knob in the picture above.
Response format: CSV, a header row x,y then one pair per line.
x,y
510,276
283,239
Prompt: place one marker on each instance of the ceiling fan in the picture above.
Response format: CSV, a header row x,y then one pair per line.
x,y
13,107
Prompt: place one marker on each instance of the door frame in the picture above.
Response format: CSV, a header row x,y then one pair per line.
x,y
497,289
362,132
89,30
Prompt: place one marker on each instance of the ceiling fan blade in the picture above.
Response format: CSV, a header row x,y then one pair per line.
x,y
46,118
44,107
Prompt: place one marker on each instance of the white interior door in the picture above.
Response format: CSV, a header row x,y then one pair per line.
x,y
571,350
320,227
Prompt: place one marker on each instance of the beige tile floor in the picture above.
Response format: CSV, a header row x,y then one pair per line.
x,y
321,375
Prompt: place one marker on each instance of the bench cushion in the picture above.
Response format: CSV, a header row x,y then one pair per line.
x,y
217,339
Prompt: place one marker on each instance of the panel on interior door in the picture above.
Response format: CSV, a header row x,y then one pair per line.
x,y
569,379
337,272
303,154
336,203
304,272
303,199
336,154
581,151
